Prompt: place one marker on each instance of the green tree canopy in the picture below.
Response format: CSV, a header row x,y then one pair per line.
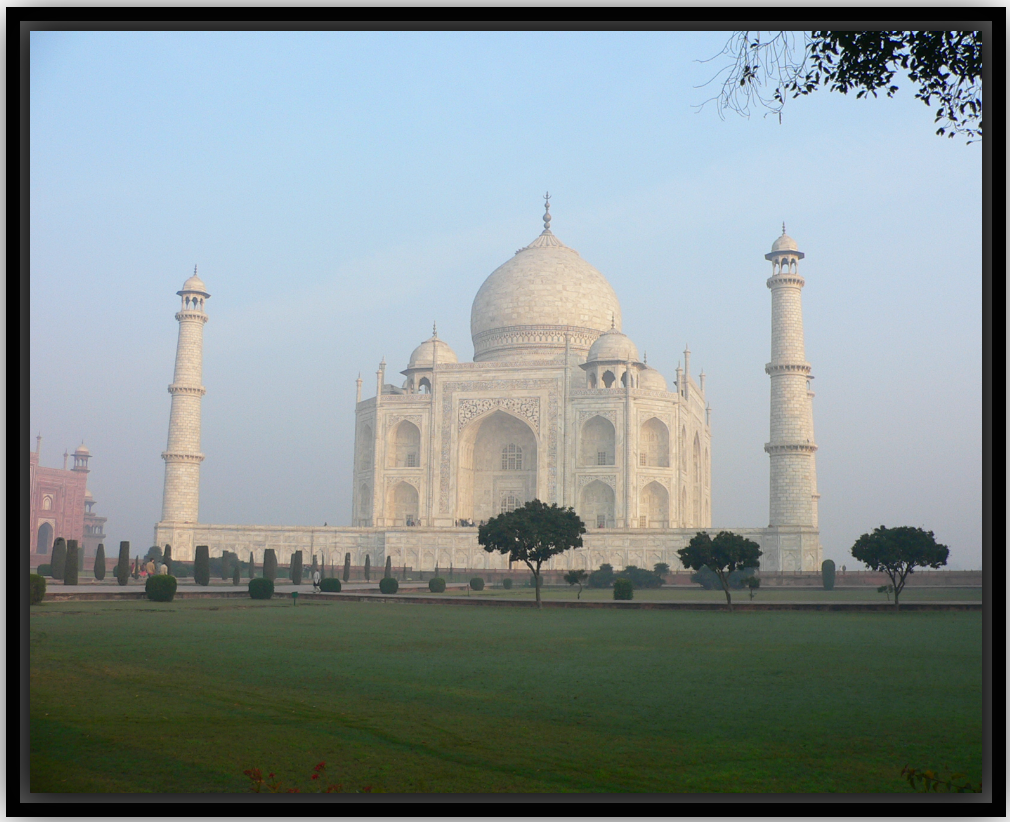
x,y
723,555
769,66
532,534
898,552
576,577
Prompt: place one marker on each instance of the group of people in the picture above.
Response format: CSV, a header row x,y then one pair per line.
x,y
467,523
151,569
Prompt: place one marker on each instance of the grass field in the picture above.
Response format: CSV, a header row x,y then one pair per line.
x,y
182,697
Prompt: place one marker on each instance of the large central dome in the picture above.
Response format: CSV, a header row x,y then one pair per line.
x,y
546,291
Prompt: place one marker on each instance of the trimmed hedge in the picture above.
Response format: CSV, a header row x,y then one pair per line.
x,y
261,588
270,564
388,585
623,589
44,570
201,565
389,567
123,566
36,588
331,585
506,583
436,585
368,567
70,567
477,584
100,562
296,568
160,587
59,557
828,574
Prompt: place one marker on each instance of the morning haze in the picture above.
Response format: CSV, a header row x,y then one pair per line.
x,y
342,191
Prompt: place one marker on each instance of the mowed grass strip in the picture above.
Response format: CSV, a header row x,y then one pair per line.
x,y
183,697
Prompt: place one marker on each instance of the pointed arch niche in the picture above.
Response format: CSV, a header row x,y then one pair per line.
x,y
404,447
402,504
597,442
497,466
597,505
654,506
654,444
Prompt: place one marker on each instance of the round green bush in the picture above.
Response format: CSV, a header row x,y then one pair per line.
x,y
506,583
330,585
261,588
44,570
436,585
828,574
36,588
160,587
477,584
623,589
388,585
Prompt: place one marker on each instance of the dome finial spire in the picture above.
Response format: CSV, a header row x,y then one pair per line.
x,y
434,330
783,228
547,211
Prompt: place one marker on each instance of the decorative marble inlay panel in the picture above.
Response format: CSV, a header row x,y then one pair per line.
x,y
645,480
609,479
525,407
394,419
448,389
415,481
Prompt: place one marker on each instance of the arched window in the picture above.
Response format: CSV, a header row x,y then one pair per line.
x,y
509,503
47,503
608,379
424,385
45,541
512,458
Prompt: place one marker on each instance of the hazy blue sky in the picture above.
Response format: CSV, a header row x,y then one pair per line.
x,y
340,191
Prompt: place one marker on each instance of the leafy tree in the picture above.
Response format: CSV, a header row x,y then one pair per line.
x,y
576,577
641,578
898,552
59,557
753,583
602,578
532,534
945,65
154,552
723,555
122,568
661,569
100,562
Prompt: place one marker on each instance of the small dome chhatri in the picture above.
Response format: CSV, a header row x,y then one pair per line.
x,y
785,243
82,451
194,285
432,350
613,346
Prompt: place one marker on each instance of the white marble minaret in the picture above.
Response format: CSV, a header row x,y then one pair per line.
x,y
793,486
181,501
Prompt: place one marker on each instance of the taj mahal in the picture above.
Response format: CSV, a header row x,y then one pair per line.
x,y
557,404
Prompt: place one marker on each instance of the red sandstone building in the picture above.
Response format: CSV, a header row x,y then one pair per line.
x,y
61,506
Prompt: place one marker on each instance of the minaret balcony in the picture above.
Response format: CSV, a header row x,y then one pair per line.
x,y
192,390
790,448
774,369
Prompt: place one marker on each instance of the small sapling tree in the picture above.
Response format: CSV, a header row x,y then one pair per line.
x,y
898,552
576,577
886,590
532,534
100,562
723,555
752,583
123,564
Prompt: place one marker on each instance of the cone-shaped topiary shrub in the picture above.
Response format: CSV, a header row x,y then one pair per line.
x,y
270,564
36,588
296,568
123,565
261,587
201,565
388,585
436,585
236,576
347,567
252,565
330,585
59,557
226,563
623,589
160,587
166,557
389,568
506,583
368,567
100,562
828,574
44,570
70,568
477,584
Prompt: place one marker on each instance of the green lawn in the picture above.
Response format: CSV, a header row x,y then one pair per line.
x,y
182,697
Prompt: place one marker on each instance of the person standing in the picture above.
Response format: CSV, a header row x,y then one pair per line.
x,y
150,568
316,577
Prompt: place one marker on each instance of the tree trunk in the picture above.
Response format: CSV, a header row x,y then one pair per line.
x,y
725,587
